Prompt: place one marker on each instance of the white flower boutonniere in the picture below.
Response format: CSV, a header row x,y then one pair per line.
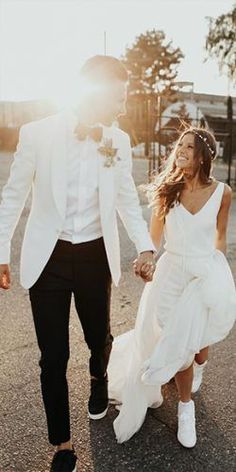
x,y
109,152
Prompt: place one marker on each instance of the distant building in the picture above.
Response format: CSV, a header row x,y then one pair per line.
x,y
14,114
200,109
214,106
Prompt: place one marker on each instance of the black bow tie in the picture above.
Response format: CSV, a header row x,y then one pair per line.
x,y
94,132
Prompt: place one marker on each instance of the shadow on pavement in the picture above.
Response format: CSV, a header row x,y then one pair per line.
x,y
155,447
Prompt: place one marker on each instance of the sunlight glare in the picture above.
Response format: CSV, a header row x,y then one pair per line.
x,y
79,89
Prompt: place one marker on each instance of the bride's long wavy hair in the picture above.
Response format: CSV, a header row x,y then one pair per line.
x,y
164,193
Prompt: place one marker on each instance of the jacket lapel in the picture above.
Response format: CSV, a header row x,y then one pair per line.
x,y
106,182
58,164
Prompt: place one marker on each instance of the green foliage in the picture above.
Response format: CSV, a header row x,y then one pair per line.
x,y
221,42
152,62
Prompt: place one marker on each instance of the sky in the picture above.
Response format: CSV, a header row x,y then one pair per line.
x,y
43,43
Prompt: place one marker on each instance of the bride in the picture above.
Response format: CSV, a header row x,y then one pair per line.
x,y
191,301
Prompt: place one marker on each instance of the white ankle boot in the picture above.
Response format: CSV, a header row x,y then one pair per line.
x,y
197,375
186,424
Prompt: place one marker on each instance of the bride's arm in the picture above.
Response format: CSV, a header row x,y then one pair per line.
x,y
156,228
156,231
222,220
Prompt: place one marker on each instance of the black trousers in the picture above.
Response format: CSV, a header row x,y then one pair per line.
x,y
81,269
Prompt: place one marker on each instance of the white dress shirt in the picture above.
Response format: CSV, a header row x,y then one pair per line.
x,y
82,222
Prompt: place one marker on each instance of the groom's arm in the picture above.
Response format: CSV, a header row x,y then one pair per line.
x,y
128,205
16,191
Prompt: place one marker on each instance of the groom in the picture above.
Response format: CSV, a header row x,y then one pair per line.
x,y
79,168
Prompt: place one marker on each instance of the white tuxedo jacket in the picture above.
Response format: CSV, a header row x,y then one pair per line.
x,y
40,163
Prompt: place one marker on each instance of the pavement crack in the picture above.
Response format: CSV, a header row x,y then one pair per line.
x,y
162,422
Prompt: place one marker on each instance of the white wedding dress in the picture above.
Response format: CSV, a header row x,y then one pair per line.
x,y
190,304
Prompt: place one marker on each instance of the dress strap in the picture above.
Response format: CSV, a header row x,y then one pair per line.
x,y
219,194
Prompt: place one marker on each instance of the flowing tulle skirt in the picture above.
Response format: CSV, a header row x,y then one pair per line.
x,y
190,304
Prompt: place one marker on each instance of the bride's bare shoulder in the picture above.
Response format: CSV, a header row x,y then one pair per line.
x,y
227,195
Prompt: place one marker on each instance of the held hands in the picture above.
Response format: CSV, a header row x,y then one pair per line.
x,y
5,280
144,266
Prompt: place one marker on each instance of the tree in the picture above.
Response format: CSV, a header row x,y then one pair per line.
x,y
152,62
221,42
183,114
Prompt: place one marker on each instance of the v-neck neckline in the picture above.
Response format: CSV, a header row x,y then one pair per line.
x,y
205,204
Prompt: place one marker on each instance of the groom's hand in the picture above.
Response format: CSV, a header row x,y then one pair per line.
x,y
144,265
5,279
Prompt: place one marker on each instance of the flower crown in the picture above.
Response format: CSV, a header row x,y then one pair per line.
x,y
204,139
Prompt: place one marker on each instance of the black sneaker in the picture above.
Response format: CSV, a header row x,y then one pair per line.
x,y
64,461
98,401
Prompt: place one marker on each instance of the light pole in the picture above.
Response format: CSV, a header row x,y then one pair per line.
x,y
105,43
230,131
159,127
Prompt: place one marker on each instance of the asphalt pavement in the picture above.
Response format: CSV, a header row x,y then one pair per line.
x,y
23,436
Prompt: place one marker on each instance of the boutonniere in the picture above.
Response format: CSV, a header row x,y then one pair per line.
x,y
109,152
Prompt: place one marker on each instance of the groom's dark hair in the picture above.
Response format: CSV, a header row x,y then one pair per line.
x,y
104,69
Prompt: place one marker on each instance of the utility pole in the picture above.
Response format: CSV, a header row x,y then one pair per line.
x,y
159,112
105,43
230,134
